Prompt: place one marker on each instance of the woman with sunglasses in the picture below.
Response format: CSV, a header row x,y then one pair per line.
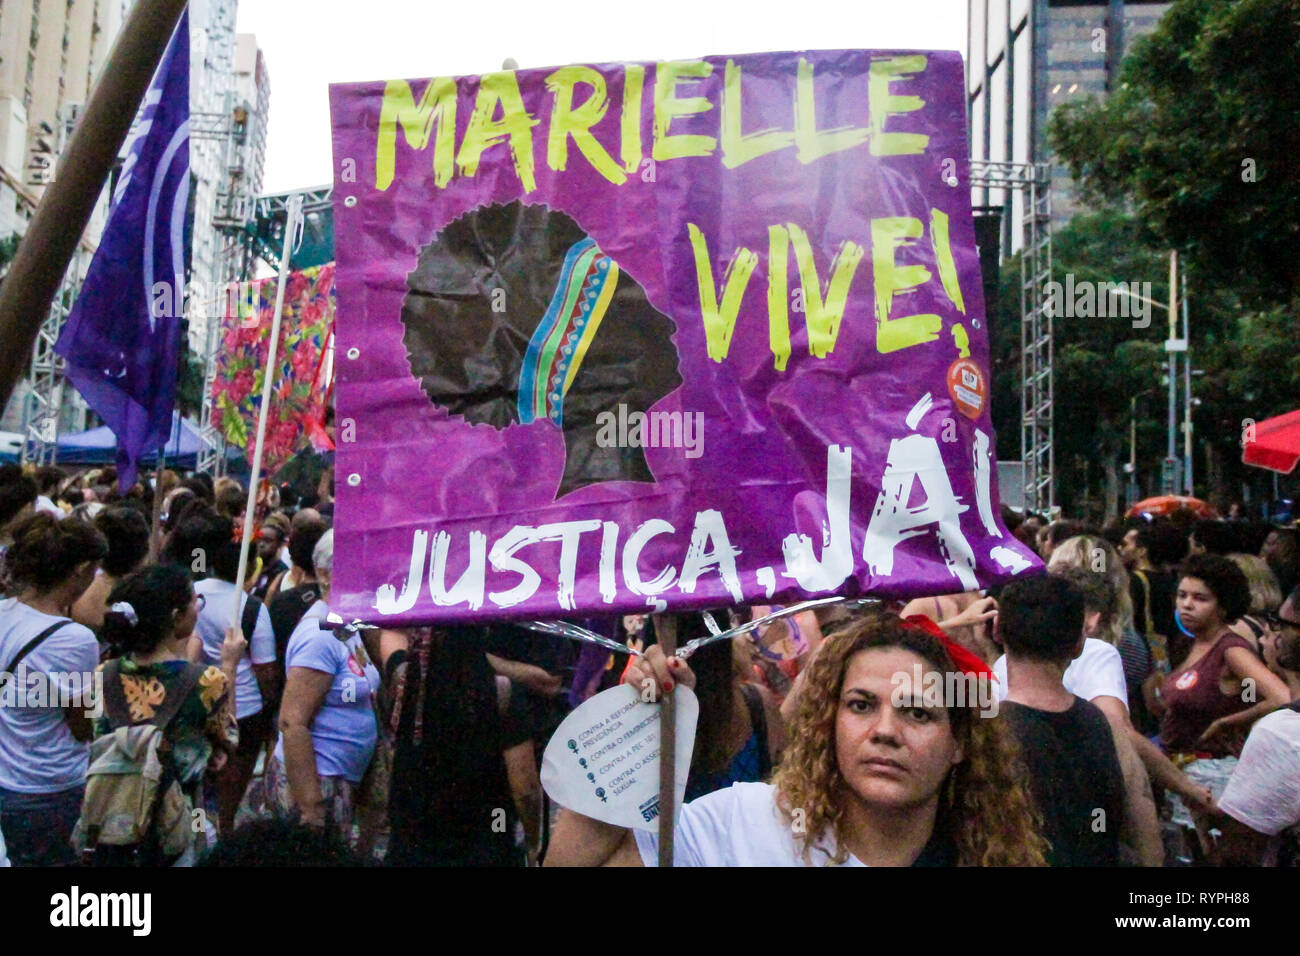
x,y
151,615
876,774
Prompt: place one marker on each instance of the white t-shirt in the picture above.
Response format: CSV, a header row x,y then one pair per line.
x,y
1264,790
45,506
1097,672
343,731
213,621
737,826
38,753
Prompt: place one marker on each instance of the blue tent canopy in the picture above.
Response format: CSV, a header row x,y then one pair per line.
x,y
98,446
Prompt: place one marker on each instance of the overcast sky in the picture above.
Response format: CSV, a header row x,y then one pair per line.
x,y
309,44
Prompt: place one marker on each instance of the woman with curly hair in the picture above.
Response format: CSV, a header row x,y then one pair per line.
x,y
1208,711
876,772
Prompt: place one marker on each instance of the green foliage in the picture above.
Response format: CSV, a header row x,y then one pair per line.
x,y
8,249
1202,138
189,379
232,422
1101,363
1200,143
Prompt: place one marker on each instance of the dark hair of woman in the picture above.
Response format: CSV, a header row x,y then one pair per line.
x,y
156,595
448,770
302,542
46,551
282,842
205,537
16,495
714,688
1224,579
127,533
185,506
200,485
48,478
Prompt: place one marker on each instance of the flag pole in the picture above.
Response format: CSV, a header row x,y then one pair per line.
x,y
155,529
292,222
55,229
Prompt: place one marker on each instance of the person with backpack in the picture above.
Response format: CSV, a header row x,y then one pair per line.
x,y
204,541
44,747
160,711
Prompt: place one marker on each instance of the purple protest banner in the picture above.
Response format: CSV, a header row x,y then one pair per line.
x,y
674,335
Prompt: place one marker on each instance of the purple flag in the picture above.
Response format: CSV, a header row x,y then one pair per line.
x,y
122,338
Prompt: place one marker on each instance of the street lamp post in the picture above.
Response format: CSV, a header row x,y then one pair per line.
x,y
1169,474
1187,394
1131,468
1173,345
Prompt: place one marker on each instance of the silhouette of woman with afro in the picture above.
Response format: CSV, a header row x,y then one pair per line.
x,y
515,315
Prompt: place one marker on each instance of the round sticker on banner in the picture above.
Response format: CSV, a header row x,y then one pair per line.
x,y
967,387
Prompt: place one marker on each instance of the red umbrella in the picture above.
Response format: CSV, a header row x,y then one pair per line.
x,y
1164,504
1274,443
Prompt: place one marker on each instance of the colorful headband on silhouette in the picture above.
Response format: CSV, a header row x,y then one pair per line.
x,y
556,350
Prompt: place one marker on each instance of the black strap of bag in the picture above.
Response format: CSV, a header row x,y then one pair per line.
x,y
34,643
248,622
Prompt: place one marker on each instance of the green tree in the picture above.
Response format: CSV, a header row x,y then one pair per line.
x,y
1102,360
1200,142
189,383
8,248
1202,137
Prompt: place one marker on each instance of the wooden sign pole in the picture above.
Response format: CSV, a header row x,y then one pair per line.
x,y
666,632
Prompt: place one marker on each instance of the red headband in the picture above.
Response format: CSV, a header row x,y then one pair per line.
x,y
966,661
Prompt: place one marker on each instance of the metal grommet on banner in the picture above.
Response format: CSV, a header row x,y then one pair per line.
x,y
354,352
350,201
354,479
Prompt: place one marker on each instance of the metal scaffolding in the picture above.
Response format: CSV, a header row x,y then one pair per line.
x,y
231,219
253,230
1033,182
317,246
45,400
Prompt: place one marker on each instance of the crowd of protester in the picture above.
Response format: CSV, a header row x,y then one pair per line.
x,y
1142,706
